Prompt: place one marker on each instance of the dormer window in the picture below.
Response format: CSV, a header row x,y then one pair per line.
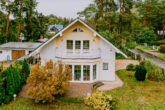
x,y
77,30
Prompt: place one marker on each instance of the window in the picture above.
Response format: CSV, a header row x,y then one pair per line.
x,y
77,30
69,44
77,72
86,72
0,52
86,44
80,30
105,66
78,44
94,72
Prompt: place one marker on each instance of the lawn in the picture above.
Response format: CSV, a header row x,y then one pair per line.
x,y
134,95
61,104
144,47
162,56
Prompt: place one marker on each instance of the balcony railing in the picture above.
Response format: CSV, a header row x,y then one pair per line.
x,y
93,53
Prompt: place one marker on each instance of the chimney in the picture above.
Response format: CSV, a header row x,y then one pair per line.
x,y
41,37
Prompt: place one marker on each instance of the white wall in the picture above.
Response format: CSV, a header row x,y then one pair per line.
x,y
4,54
48,52
107,56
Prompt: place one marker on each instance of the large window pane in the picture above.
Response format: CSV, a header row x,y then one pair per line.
x,y
78,44
86,72
86,44
69,44
77,72
94,72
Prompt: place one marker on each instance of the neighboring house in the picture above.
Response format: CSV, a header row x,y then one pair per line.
x,y
161,32
55,28
91,56
14,50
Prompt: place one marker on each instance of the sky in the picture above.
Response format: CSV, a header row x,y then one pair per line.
x,y
63,8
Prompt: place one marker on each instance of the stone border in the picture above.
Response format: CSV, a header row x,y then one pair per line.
x,y
150,54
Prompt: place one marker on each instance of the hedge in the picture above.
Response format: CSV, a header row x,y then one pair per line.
x,y
11,81
160,42
162,48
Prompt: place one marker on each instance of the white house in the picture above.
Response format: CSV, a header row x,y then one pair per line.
x,y
91,56
15,50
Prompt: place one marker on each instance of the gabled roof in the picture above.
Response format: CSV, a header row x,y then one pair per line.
x,y
20,45
77,20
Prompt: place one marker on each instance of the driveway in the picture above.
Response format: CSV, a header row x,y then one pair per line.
x,y
156,60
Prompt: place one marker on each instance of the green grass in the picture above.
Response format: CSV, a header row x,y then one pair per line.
x,y
135,95
144,47
60,104
162,56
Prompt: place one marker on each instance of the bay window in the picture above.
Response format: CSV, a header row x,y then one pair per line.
x,y
77,72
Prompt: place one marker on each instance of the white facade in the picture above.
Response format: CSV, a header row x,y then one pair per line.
x,y
91,57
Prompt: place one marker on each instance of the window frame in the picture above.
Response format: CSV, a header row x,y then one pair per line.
x,y
105,66
78,30
86,73
79,45
94,71
85,46
76,72
67,44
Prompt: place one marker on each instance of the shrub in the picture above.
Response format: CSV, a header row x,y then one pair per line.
x,y
25,68
119,56
11,81
146,36
101,101
142,63
140,73
162,48
160,42
130,67
154,72
47,81
131,45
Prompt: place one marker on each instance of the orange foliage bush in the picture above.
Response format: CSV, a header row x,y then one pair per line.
x,y
48,81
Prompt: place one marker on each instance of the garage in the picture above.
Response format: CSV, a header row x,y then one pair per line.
x,y
16,54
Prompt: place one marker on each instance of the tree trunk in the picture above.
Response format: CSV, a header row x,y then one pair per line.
x,y
8,22
163,28
19,30
102,8
109,23
123,7
163,31
19,24
144,22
